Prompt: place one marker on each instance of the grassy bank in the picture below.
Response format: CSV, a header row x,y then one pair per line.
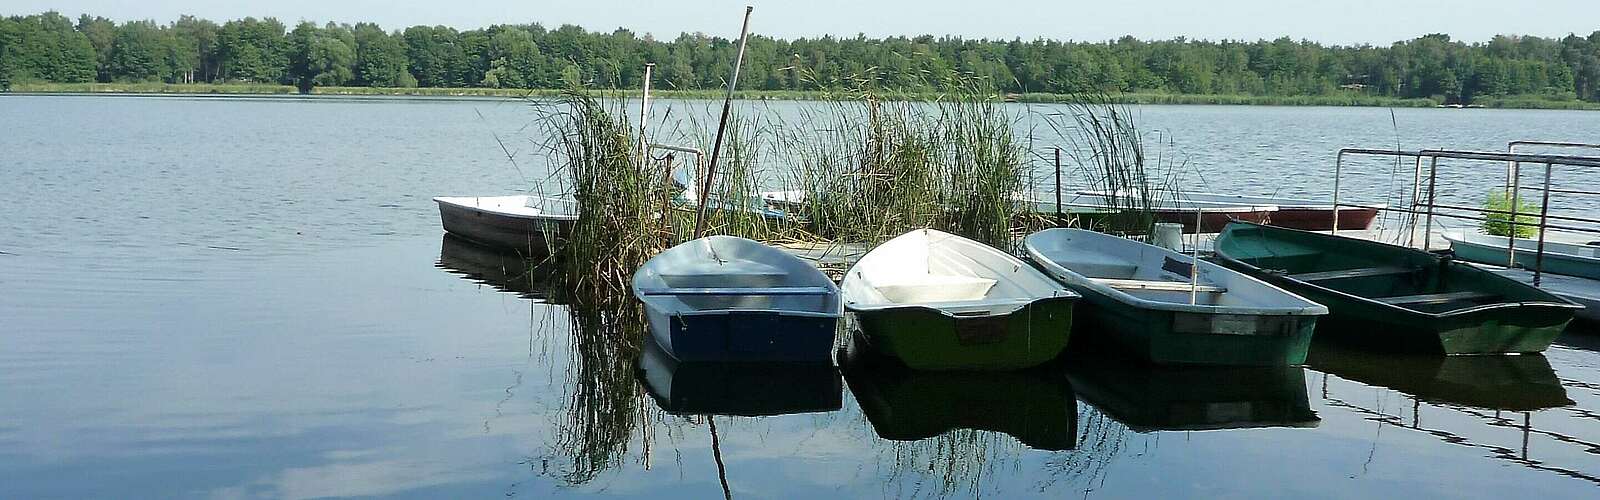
x,y
1342,99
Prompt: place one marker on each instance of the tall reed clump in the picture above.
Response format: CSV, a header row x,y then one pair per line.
x,y
734,204
870,169
617,190
1111,157
620,193
984,164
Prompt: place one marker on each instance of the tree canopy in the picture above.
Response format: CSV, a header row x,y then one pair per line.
x,y
48,47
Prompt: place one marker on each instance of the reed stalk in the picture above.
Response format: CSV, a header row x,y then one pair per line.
x,y
871,169
1112,156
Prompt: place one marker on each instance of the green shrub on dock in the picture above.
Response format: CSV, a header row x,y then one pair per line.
x,y
1497,208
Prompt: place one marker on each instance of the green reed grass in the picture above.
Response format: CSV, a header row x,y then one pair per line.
x,y
871,169
1111,155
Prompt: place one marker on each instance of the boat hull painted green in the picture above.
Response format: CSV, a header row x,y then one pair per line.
x,y
927,339
1513,318
1169,337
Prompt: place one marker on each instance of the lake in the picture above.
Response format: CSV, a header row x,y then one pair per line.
x,y
247,297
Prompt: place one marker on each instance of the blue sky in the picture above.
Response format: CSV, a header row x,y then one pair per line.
x,y
1329,21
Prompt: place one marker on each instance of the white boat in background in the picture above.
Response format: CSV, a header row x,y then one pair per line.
x,y
729,299
528,224
1560,257
939,301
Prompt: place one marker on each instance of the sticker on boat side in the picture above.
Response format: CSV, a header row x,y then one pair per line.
x,y
981,330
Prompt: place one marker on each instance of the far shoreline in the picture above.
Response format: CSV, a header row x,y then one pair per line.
x,y
286,91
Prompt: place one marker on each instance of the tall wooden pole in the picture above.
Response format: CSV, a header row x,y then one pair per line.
x,y
644,118
722,126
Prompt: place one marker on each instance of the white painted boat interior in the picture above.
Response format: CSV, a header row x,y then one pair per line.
x,y
935,269
1151,277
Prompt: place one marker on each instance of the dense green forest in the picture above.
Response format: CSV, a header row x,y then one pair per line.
x,y
50,47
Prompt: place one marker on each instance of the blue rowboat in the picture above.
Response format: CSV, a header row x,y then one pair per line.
x,y
723,298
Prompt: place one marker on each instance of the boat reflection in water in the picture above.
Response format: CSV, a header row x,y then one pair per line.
x,y
503,270
1148,398
742,389
1508,382
1036,407
1467,401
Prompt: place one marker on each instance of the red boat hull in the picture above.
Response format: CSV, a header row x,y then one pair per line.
x,y
1321,219
1212,222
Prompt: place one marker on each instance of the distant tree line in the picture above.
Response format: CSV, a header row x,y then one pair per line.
x,y
52,48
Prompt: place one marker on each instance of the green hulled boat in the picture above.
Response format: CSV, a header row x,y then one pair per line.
x,y
1394,298
938,301
1148,300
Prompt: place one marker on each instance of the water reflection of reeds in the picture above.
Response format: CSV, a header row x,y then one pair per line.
x,y
605,413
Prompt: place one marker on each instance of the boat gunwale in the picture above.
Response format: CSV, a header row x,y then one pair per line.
x,y
933,306
667,303
1073,278
1559,303
1059,291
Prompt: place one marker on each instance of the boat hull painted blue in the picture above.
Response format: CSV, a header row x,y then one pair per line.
x,y
745,336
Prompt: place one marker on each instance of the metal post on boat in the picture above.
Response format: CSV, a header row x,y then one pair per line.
x,y
1194,258
722,125
1411,215
1338,166
1544,219
1058,184
1433,183
1514,194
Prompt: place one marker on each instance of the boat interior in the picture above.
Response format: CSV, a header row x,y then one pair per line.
x,y
1411,280
731,280
957,276
1159,279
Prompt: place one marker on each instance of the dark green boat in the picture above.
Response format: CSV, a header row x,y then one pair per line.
x,y
1394,298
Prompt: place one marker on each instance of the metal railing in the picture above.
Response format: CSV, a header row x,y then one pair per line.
x,y
1429,208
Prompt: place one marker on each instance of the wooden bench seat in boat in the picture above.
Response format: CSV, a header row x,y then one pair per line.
x,y
1157,285
781,290
1360,272
1433,298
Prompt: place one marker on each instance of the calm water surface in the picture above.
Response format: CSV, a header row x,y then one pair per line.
x,y
251,298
